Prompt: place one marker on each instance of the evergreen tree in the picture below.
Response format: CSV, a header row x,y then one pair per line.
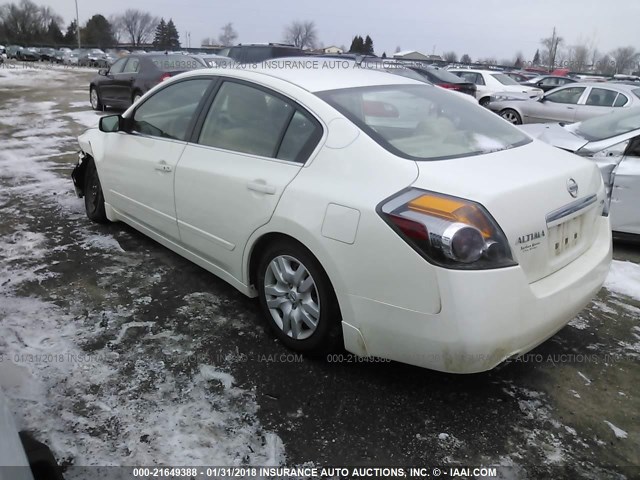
x,y
98,32
368,46
536,58
172,36
159,40
71,37
54,34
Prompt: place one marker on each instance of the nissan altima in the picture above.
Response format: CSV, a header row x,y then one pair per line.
x,y
613,143
365,210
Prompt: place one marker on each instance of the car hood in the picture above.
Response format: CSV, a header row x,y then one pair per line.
x,y
556,135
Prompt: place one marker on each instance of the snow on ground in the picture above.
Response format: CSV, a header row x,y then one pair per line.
x,y
624,279
107,404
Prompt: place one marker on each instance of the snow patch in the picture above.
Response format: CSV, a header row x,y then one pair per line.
x,y
618,432
624,279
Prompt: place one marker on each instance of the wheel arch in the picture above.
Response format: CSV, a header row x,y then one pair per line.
x,y
262,238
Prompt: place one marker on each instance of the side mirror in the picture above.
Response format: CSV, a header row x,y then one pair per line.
x,y
110,123
539,84
542,99
103,71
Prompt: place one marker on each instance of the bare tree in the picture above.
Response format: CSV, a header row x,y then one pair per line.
x,y
551,44
625,58
228,35
139,26
580,57
26,22
466,59
116,27
301,34
450,57
606,65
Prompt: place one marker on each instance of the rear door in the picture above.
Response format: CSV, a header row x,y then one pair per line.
x,y
556,106
251,144
599,101
138,174
123,85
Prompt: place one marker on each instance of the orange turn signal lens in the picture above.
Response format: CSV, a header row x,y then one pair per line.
x,y
452,209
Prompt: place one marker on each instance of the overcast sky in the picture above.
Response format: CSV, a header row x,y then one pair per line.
x,y
496,28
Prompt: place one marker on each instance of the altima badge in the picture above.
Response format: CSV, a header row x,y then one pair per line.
x,y
572,187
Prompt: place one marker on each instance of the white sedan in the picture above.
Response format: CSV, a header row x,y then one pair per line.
x,y
363,209
490,83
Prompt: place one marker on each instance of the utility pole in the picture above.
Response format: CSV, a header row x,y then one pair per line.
x,y
78,26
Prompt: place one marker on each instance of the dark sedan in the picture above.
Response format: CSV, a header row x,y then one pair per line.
x,y
28,55
132,76
445,79
548,82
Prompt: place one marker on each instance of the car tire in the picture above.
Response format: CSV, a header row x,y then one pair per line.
x,y
93,196
511,116
300,306
94,99
484,102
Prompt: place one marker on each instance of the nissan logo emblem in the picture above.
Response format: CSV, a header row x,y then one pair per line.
x,y
572,187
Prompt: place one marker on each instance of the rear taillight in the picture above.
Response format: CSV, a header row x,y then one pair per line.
x,y
165,76
450,86
447,231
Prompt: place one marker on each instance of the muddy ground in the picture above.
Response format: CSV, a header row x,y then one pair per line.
x,y
116,351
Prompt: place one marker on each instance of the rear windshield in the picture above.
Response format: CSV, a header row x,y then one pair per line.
x,y
444,76
422,122
172,63
607,126
504,79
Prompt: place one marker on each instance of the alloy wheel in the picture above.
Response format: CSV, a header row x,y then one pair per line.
x,y
292,297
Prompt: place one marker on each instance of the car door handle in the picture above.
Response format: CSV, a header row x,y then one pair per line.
x,y
163,167
571,108
262,187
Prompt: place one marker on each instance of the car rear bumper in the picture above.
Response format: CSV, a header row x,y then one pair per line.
x,y
486,316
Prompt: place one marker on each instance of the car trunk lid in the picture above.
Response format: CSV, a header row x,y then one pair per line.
x,y
526,190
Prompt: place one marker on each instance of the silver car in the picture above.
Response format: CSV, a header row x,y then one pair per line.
x,y
613,142
568,104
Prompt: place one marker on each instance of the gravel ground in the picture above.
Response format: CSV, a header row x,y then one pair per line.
x,y
116,351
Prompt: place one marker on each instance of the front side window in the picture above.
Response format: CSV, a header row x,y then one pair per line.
x,y
169,112
569,95
246,120
601,97
117,66
422,122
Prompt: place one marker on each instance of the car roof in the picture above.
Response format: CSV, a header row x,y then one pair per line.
x,y
313,79
474,70
612,86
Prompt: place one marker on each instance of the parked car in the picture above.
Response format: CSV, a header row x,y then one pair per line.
x,y
71,57
572,103
548,82
12,51
124,82
490,82
47,54
28,54
363,209
520,76
93,58
256,53
216,60
613,142
446,79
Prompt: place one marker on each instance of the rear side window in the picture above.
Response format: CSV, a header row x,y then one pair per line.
x,y
601,97
621,101
301,137
250,120
169,112
246,120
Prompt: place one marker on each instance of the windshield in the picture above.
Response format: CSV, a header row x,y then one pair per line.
x,y
422,122
504,79
444,76
607,126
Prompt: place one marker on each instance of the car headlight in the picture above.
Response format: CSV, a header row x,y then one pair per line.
x,y
447,231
